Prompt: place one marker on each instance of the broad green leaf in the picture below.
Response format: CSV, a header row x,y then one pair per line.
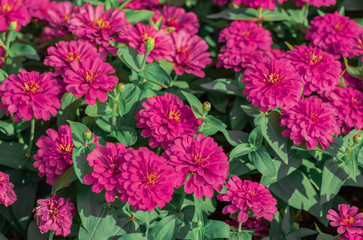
x,y
216,229
156,74
224,85
131,95
98,109
70,105
166,65
12,155
276,15
22,49
80,164
255,138
3,75
135,16
125,135
129,57
240,150
194,103
133,236
235,14
64,179
167,228
7,128
77,133
263,162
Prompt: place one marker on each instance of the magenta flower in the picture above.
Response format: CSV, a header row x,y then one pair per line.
x,y
190,54
255,4
2,55
349,236
37,8
50,33
318,70
220,2
347,220
106,163
244,34
13,11
64,53
7,194
311,120
260,227
142,4
272,84
55,153
146,180
317,3
59,13
352,82
333,33
358,45
203,160
136,37
175,18
165,118
90,78
55,214
29,94
349,103
246,194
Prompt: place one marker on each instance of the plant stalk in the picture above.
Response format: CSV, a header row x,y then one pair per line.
x,y
31,139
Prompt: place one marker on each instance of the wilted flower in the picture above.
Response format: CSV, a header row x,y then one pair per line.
x,y
246,194
55,214
203,160
347,220
13,11
7,194
146,181
29,94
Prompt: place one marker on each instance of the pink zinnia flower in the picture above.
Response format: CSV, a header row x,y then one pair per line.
x,y
37,8
91,76
358,45
7,194
347,220
333,33
165,118
50,33
2,55
13,11
260,227
311,120
142,4
59,13
246,194
349,103
55,214
175,18
255,4
136,37
64,53
352,82
29,94
244,34
146,181
203,160
318,70
348,236
272,84
317,3
190,54
106,163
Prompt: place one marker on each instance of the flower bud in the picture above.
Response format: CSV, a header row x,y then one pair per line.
x,y
207,106
150,44
13,26
132,219
87,134
120,87
199,223
357,138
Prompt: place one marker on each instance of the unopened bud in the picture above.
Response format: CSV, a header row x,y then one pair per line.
x,y
13,26
199,223
150,44
207,106
120,87
87,134
357,138
132,219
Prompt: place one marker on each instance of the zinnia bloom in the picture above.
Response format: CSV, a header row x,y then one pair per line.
x,y
352,82
191,54
2,55
29,94
255,4
237,58
13,11
203,160
37,8
349,103
142,4
55,214
316,3
106,163
272,84
311,120
59,13
91,76
146,181
136,37
333,33
55,153
165,118
318,70
246,194
260,227
347,220
7,194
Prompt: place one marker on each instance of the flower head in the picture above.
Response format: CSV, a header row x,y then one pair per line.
x,y
272,84
7,194
2,55
255,4
237,58
352,82
347,220
310,120
59,13
318,70
203,160
146,180
260,227
142,4
38,8
316,3
13,11
246,194
55,214
165,118
190,54
90,78
29,94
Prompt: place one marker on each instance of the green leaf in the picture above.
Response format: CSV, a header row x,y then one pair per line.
x,y
224,85
3,75
77,133
276,15
131,95
133,236
129,57
125,135
194,103
6,128
198,222
263,162
156,74
216,229
68,110
80,164
12,155
240,150
135,16
166,65
256,138
235,14
22,49
64,179
167,228
98,109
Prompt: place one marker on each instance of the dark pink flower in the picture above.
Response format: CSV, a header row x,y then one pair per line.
x,y
142,4
349,236
136,37
29,94
203,160
55,214
358,45
317,3
37,9
318,70
13,11
50,33
333,33
220,2
190,54
175,18
55,153
90,78
59,13
349,103
64,53
7,194
2,55
260,227
310,120
106,163
165,118
272,84
347,220
246,194
146,180
352,82
255,4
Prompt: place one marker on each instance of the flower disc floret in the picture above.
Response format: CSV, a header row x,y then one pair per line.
x,y
347,220
7,194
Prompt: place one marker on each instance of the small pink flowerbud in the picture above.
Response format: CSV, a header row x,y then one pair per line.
x,y
87,134
357,138
207,106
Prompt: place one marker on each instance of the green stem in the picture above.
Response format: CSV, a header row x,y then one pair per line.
x,y
31,139
176,77
51,235
17,130
144,60
259,16
240,227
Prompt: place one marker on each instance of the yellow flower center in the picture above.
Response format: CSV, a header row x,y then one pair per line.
x,y
6,7
65,148
174,116
246,33
53,211
273,78
90,77
198,159
101,24
30,87
348,220
73,56
356,101
314,59
151,179
144,37
338,27
172,21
